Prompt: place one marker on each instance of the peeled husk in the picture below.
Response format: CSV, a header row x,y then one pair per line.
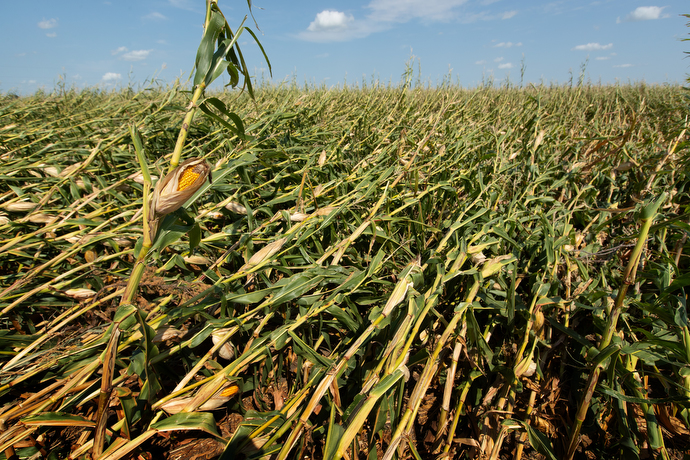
x,y
166,198
194,403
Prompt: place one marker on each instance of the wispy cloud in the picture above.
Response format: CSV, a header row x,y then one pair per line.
x,y
593,47
405,10
507,44
644,13
380,15
111,76
622,66
136,55
48,23
155,16
121,49
482,62
506,65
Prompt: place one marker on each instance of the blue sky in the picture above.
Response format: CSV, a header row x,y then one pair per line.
x,y
112,44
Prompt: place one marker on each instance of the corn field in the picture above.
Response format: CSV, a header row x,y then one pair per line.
x,y
372,272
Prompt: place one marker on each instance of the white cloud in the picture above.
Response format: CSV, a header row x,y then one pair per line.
x,y
482,62
48,23
121,49
622,66
136,55
644,13
498,59
405,10
156,16
380,15
111,76
335,26
507,44
507,65
329,20
51,34
602,58
593,47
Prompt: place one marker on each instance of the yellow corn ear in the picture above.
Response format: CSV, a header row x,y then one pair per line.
x,y
189,176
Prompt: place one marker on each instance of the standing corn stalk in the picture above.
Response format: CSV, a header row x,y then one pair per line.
x,y
647,217
218,52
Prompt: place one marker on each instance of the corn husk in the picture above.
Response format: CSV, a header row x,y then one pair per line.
x,y
324,211
189,403
51,171
478,258
318,190
80,293
69,170
90,255
265,253
227,350
166,197
138,177
4,220
220,163
123,242
236,208
167,333
298,217
216,215
79,239
41,218
197,260
20,206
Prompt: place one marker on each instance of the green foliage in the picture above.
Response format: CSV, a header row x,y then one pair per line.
x,y
366,274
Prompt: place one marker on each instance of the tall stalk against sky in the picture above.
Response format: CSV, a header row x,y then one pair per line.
x,y
218,52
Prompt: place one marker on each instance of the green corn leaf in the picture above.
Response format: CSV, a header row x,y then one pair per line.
x,y
203,421
204,55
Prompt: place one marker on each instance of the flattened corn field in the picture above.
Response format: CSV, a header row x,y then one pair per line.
x,y
374,272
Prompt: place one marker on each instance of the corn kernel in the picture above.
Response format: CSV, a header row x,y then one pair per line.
x,y
230,391
189,176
